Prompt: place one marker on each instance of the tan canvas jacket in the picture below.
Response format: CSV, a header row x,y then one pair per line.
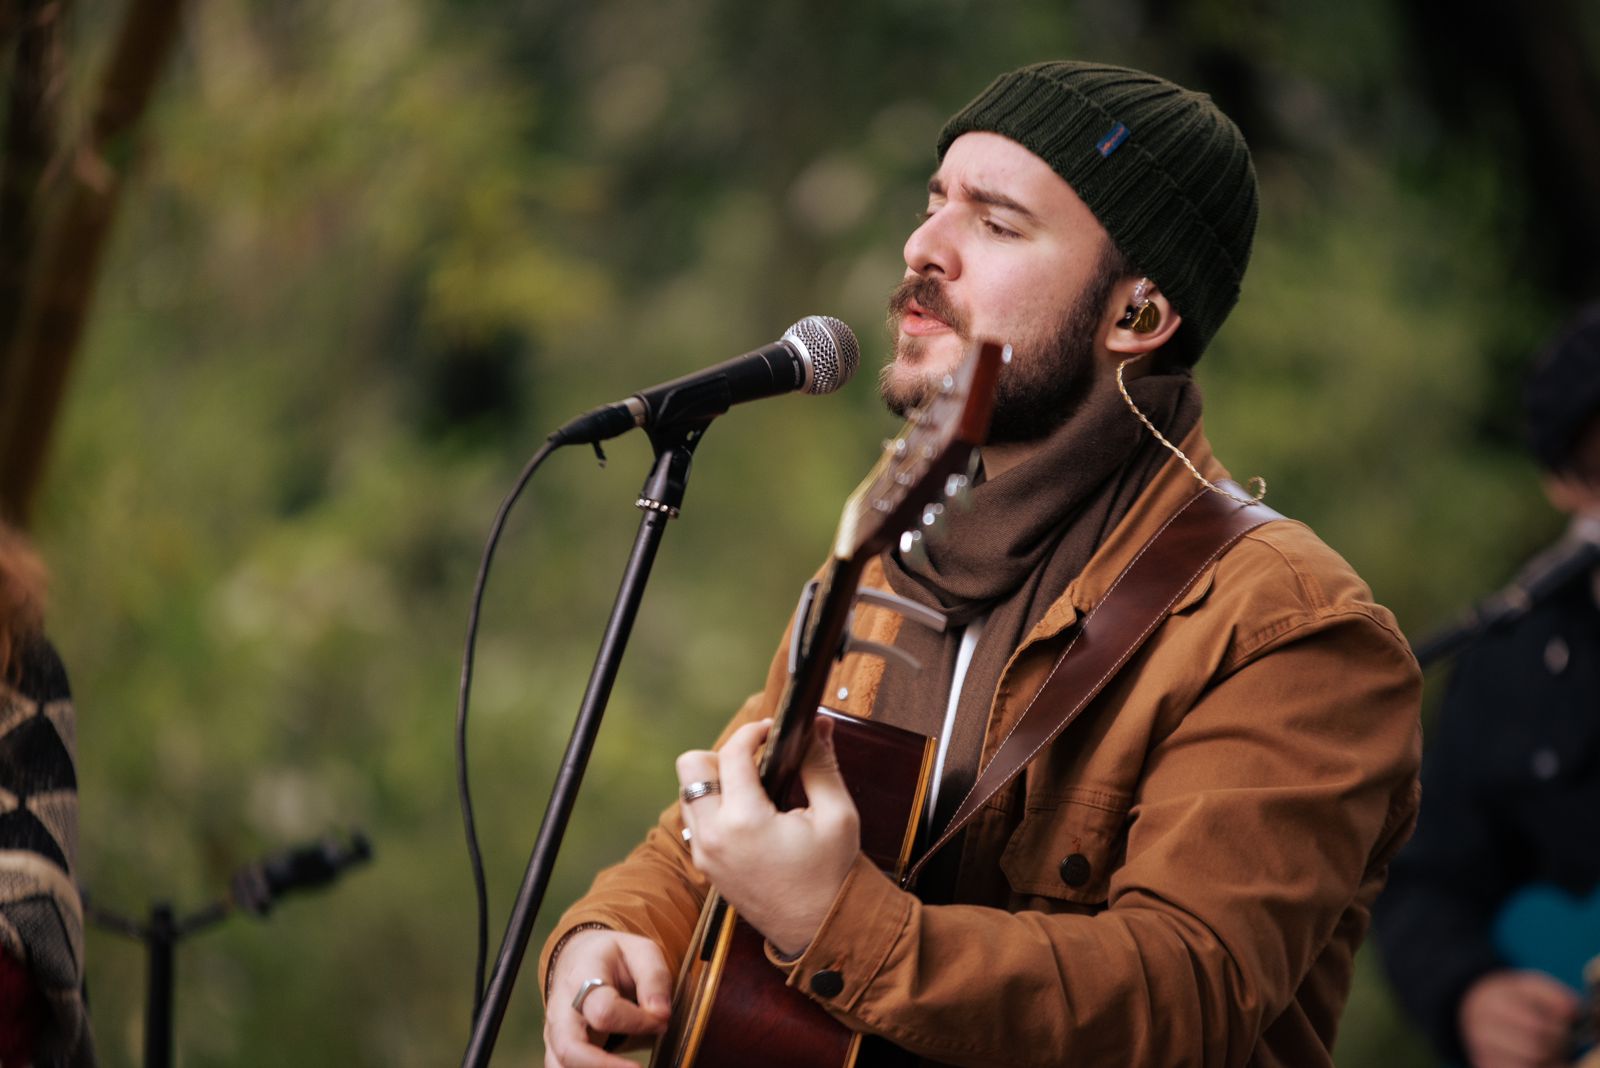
x,y
1182,877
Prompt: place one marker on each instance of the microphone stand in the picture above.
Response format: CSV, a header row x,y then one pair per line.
x,y
256,887
660,501
1576,553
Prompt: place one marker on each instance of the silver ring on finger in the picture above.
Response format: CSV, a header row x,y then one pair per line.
x,y
588,987
696,790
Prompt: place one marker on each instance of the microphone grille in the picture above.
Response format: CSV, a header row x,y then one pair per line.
x,y
829,349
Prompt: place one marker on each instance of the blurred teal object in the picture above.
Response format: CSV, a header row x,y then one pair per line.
x,y
1546,928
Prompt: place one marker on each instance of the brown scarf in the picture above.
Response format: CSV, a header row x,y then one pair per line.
x,y
1011,555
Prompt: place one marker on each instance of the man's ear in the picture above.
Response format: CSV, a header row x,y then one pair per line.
x,y
1143,320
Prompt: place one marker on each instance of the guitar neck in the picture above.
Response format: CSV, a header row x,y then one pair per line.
x,y
822,635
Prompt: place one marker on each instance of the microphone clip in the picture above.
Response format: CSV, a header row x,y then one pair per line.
x,y
669,477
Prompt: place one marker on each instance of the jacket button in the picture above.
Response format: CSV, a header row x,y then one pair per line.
x,y
1556,655
827,983
1075,869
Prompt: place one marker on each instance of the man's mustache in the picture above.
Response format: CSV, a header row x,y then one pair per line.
x,y
929,294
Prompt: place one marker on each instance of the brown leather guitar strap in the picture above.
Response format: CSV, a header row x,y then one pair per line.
x,y
1112,631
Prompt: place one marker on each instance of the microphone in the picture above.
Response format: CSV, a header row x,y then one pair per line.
x,y
1577,553
257,886
818,355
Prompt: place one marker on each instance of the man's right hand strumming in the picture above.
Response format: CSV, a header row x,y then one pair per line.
x,y
633,997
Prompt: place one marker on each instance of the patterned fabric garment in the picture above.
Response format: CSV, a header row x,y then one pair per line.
x,y
41,913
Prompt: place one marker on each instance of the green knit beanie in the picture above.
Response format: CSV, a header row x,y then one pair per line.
x,y
1166,173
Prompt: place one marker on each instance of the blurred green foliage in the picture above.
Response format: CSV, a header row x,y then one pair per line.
x,y
377,249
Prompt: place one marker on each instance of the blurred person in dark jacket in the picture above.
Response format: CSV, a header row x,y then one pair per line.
x,y
42,1018
1493,908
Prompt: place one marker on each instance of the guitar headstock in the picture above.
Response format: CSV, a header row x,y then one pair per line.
x,y
918,464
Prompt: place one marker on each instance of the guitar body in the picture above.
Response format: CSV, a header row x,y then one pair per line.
x,y
731,1008
1547,929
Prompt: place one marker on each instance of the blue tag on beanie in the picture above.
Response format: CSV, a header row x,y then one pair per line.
x,y
1110,142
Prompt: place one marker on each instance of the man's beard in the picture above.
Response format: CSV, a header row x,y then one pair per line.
x,y
1039,390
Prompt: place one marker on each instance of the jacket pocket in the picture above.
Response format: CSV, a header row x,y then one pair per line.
x,y
1067,846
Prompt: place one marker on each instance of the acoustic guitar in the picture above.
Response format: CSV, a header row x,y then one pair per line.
x,y
731,1008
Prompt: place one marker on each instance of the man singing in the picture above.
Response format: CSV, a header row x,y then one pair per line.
x,y
1185,873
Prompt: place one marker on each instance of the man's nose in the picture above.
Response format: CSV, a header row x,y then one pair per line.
x,y
931,248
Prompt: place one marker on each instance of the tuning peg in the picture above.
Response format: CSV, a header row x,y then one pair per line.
x,y
913,550
958,491
974,465
916,613
931,514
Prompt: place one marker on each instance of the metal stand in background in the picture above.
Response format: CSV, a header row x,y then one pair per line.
x,y
660,500
255,888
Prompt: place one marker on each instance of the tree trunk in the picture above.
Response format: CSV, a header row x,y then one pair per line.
x,y
59,284
29,32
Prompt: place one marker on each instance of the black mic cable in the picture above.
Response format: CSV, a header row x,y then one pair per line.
x,y
480,885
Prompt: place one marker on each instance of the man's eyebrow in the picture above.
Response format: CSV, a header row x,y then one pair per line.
x,y
980,195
